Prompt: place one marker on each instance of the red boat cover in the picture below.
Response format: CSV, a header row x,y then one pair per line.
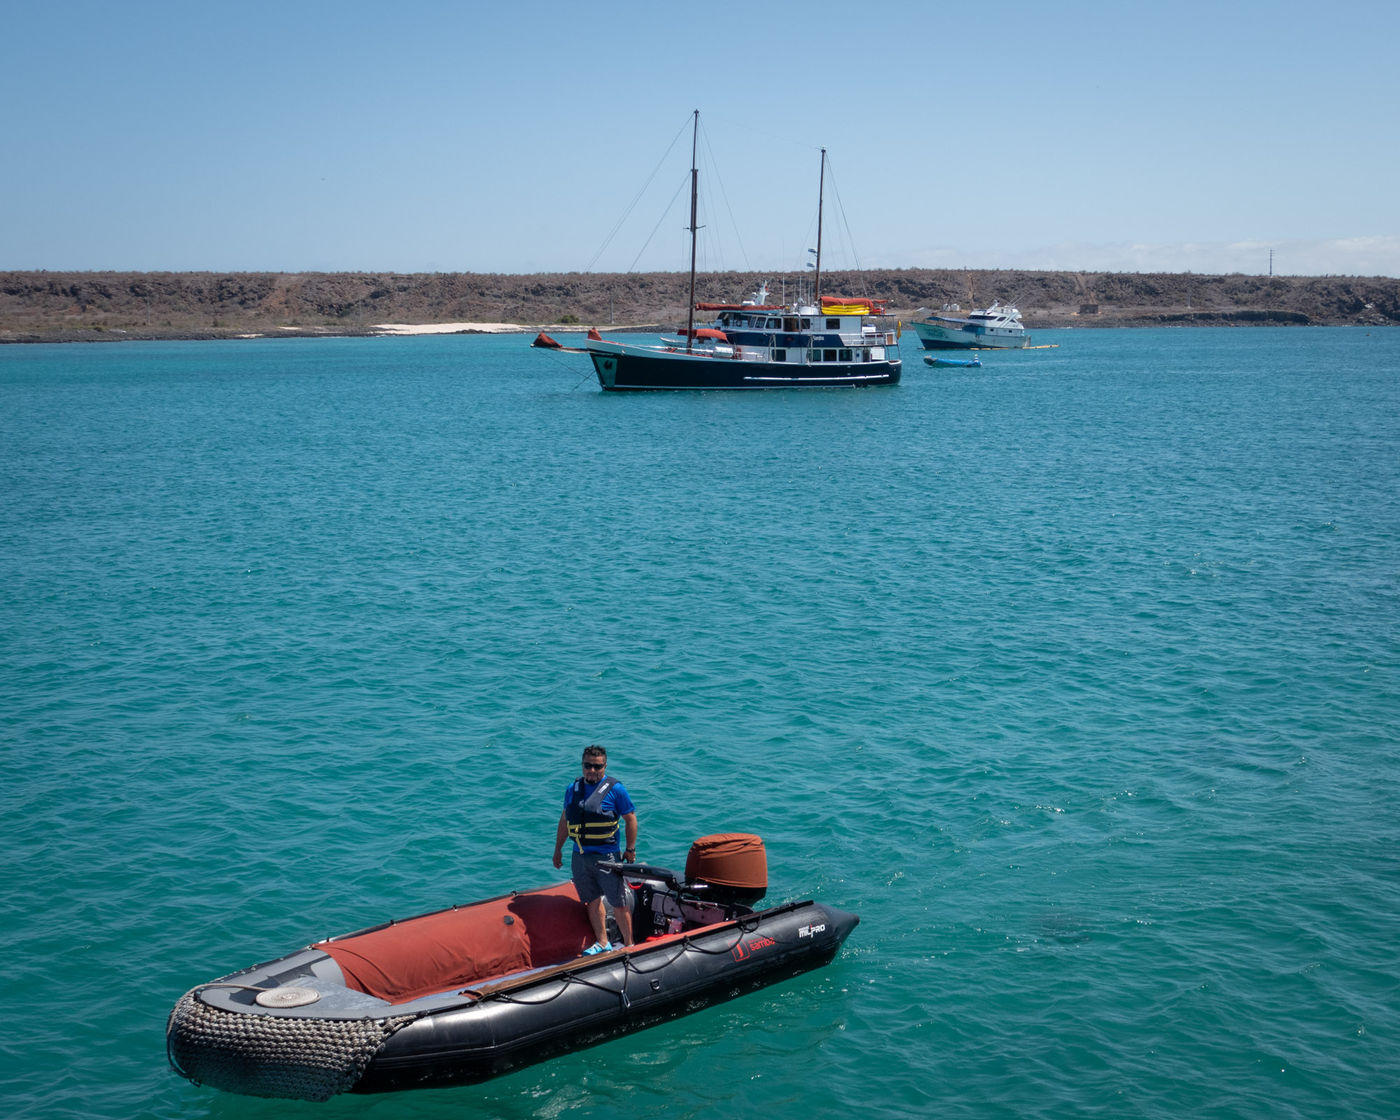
x,y
455,948
546,342
728,859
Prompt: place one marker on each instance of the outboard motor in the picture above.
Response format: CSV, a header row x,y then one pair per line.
x,y
728,868
724,875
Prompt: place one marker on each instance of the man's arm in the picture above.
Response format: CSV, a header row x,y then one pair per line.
x,y
561,833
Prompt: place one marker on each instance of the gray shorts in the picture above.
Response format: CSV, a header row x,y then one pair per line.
x,y
591,881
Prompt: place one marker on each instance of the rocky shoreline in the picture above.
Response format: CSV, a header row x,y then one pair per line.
x,y
125,306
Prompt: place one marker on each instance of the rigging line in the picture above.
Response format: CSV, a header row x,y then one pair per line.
x,y
684,184
739,924
633,204
747,924
841,206
724,196
681,950
810,234
556,356
588,376
564,980
506,997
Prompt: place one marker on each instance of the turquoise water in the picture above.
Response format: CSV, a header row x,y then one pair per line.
x,y
1077,676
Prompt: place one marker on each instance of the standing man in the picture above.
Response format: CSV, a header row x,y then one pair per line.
x,y
594,806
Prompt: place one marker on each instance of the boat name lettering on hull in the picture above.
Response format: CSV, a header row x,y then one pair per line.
x,y
746,949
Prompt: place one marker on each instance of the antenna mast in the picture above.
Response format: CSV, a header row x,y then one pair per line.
x,y
821,190
694,194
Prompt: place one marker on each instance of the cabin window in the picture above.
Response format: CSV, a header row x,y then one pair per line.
x,y
828,355
833,324
806,324
790,325
780,355
845,356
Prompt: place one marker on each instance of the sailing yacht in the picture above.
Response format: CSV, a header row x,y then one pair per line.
x,y
828,342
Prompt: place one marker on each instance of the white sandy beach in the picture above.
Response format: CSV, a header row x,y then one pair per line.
x,y
449,328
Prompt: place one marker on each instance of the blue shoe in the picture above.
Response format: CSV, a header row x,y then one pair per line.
x,y
598,947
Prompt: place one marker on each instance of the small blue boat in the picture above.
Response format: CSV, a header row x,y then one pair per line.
x,y
929,359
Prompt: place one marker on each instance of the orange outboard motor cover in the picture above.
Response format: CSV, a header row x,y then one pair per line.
x,y
732,865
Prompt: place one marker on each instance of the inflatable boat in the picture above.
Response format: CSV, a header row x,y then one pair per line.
x,y
465,994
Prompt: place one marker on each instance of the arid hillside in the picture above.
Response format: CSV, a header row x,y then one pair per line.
x,y
57,306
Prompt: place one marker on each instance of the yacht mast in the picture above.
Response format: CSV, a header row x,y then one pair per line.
x,y
694,194
821,190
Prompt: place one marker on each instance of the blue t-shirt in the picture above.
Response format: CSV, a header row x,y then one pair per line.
x,y
616,800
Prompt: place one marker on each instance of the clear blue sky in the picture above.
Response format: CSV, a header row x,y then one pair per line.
x,y
513,137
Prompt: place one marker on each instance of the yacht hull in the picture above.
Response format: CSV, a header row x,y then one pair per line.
x,y
624,369
955,335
